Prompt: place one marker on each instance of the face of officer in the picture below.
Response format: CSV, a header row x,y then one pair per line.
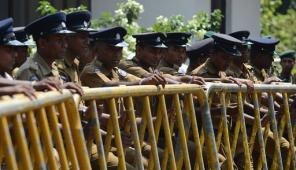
x,y
261,59
22,55
175,55
220,59
78,43
52,46
8,56
109,55
287,65
149,55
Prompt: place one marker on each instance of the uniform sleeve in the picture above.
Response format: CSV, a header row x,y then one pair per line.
x,y
133,69
92,79
26,74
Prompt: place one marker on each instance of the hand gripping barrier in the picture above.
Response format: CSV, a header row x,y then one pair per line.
x,y
263,146
44,133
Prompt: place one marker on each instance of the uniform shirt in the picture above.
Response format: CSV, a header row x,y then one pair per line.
x,y
166,68
35,69
246,72
68,69
208,70
261,75
134,67
95,75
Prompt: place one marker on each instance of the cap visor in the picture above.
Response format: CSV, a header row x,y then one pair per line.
x,y
121,44
64,32
160,46
85,30
14,43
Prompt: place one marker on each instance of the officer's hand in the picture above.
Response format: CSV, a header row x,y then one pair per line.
x,y
197,80
155,79
250,85
73,87
49,83
27,90
271,80
231,80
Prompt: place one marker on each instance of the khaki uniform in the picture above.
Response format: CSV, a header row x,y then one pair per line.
x,y
95,75
246,72
134,67
35,69
261,75
166,68
208,70
68,69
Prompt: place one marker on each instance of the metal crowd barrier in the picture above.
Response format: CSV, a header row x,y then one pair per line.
x,y
44,133
255,138
176,123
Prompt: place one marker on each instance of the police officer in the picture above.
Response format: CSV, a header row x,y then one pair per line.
x,y
225,46
148,54
198,52
239,67
287,64
261,58
78,45
21,50
175,54
49,34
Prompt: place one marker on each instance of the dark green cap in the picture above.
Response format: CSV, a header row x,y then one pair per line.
x,y
288,54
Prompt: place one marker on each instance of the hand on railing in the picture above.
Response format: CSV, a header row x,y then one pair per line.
x,y
271,80
73,87
155,79
49,83
27,90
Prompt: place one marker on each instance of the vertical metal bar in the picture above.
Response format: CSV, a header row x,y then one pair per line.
x,y
98,138
77,134
244,132
259,130
108,138
167,132
133,124
291,154
114,118
7,144
34,139
46,138
53,123
277,164
69,143
153,143
181,134
21,140
199,163
157,127
209,135
225,132
237,128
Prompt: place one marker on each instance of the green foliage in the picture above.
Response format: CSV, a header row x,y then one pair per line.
x,y
279,25
79,8
45,8
198,25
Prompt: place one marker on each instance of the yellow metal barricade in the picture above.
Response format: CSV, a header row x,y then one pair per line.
x,y
161,119
44,133
254,145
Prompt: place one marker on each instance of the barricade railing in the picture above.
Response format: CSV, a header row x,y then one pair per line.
x,y
261,146
164,119
44,133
